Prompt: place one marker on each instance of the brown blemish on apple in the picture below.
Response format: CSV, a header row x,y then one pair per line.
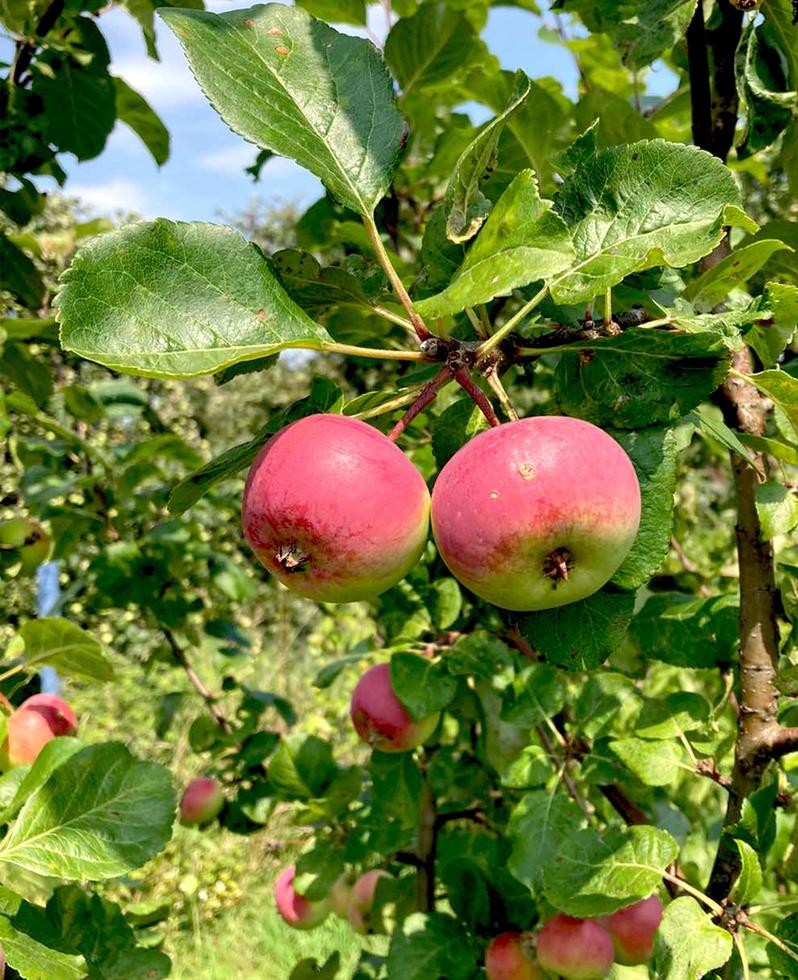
x,y
527,470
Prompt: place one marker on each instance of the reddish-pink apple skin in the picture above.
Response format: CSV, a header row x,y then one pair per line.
x,y
335,510
632,930
511,956
296,910
58,714
27,734
576,949
536,513
379,717
361,899
201,802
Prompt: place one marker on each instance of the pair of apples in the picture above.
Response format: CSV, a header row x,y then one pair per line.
x,y
577,949
348,899
529,515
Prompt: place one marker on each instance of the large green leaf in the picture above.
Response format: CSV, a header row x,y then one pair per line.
x,y
688,943
171,300
34,960
538,826
54,754
783,389
596,875
646,204
134,110
100,814
423,686
653,27
293,85
65,646
733,270
339,11
464,206
687,631
435,945
523,240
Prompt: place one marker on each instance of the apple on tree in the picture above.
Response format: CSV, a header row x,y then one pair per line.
x,y
361,900
339,896
633,929
335,510
24,541
576,949
38,719
379,717
201,802
536,513
296,910
511,956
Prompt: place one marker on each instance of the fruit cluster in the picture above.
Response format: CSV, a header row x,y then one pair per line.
x,y
529,515
577,949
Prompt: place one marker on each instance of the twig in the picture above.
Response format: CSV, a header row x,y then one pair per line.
x,y
378,353
424,398
689,565
197,682
463,378
385,261
27,49
427,847
476,323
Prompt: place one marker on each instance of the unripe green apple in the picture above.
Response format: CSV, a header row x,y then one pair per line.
x,y
335,510
632,930
361,900
380,718
536,513
25,541
511,956
576,949
296,910
201,802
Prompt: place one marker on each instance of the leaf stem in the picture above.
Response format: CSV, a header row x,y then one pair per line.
x,y
753,927
738,942
387,314
385,261
390,405
476,323
687,887
378,353
487,346
608,307
500,391
463,378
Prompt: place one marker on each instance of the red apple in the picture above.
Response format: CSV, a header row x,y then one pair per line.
x,y
58,714
576,949
511,956
339,896
361,900
379,717
335,510
201,801
38,719
536,513
632,930
295,909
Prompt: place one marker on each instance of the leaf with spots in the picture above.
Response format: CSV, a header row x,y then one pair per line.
x,y
293,85
166,299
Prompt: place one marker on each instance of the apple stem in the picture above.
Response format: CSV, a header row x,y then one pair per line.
x,y
425,396
500,391
463,378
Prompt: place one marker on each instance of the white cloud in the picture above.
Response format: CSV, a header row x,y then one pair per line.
x,y
164,84
118,194
229,159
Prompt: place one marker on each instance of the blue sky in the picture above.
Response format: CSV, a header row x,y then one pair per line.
x,y
204,175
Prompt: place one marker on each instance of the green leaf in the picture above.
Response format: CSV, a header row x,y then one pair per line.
x,y
617,120
309,968
293,85
452,429
301,767
33,959
30,374
538,826
654,453
54,754
171,300
732,271
604,704
523,240
540,694
638,206
396,790
423,686
749,881
316,288
673,716
787,932
19,275
580,636
596,875
463,204
782,388
709,425
432,49
479,653
641,377
655,26
339,11
777,507
324,397
653,763
445,602
133,109
100,814
431,945
65,646
770,335
687,943
687,631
